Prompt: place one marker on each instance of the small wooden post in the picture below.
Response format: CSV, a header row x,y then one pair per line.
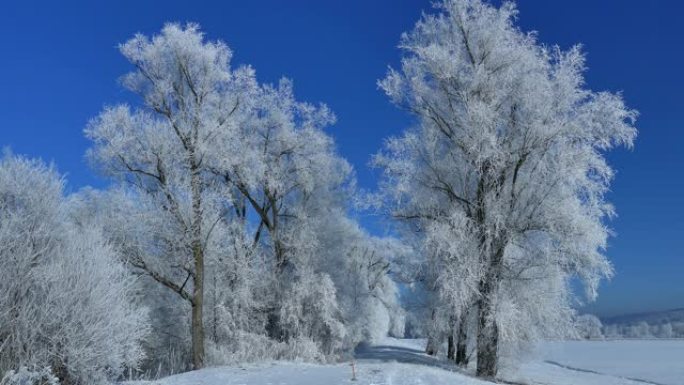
x,y
353,370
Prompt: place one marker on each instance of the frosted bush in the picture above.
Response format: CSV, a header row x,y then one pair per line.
x,y
24,376
65,299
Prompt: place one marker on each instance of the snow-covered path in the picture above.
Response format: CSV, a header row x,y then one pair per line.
x,y
393,362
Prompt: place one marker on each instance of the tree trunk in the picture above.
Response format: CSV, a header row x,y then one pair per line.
x,y
197,307
197,324
451,349
60,371
278,246
281,259
487,345
214,307
432,346
462,340
488,333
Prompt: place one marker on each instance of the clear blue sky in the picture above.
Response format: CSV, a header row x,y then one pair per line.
x,y
59,66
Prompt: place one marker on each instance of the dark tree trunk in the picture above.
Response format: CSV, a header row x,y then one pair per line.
x,y
197,306
462,340
487,346
279,249
197,324
451,348
214,307
432,346
488,333
60,371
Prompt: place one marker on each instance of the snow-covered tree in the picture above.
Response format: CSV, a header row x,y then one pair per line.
x,y
678,329
232,196
504,173
132,226
166,149
359,265
642,330
589,326
66,300
665,330
285,161
611,331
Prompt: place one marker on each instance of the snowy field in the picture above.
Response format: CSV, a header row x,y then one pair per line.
x,y
402,362
644,361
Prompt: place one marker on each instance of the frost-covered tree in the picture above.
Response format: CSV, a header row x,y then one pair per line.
x,y
678,329
641,330
132,226
360,265
286,175
232,196
284,161
589,326
504,174
611,331
66,300
665,330
166,149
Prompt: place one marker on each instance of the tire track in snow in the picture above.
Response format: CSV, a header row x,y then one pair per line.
x,y
603,374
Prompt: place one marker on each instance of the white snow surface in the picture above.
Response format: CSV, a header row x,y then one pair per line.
x,y
616,361
392,362
402,362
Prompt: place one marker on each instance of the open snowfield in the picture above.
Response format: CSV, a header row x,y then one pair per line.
x,y
402,362
646,361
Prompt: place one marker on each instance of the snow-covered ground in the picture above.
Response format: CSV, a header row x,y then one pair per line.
x,y
402,362
395,362
644,361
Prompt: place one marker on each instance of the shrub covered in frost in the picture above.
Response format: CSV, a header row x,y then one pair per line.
x,y
65,300
24,376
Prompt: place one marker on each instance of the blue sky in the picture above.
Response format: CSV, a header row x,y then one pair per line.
x,y
60,66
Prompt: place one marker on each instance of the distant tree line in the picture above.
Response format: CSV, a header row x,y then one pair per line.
x,y
590,327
